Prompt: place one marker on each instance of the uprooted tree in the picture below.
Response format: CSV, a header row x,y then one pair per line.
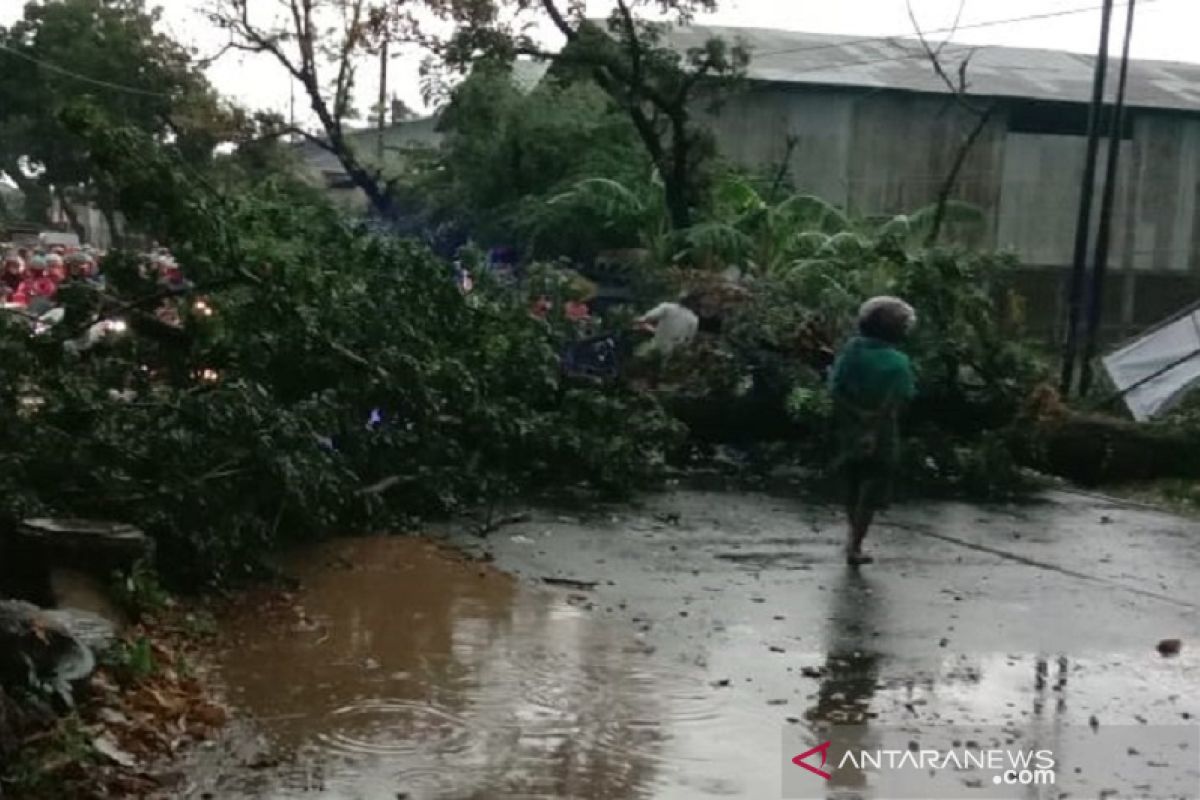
x,y
342,380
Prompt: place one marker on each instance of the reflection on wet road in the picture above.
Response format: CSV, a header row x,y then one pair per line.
x,y
401,669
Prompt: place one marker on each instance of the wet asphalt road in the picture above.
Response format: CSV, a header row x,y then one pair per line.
x,y
683,644
1009,615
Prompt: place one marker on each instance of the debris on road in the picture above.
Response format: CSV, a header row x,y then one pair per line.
x,y
571,583
1169,647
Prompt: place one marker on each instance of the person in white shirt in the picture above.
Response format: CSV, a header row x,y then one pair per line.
x,y
674,326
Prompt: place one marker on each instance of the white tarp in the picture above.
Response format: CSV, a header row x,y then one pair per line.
x,y
1161,365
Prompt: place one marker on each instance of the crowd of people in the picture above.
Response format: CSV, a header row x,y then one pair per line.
x,y
31,279
31,276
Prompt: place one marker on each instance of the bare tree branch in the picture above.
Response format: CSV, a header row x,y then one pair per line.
x,y
962,4
300,26
352,36
560,20
958,91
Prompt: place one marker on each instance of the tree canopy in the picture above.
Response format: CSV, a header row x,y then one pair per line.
x,y
631,58
109,55
507,151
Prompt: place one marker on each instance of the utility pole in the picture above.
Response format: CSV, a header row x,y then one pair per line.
x,y
383,76
1084,223
1104,235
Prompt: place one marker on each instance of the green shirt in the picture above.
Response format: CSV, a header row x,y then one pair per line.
x,y
870,374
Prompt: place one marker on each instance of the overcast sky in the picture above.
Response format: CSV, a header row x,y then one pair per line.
x,y
1166,29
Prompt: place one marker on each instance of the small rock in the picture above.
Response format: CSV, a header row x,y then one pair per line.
x,y
721,684
1094,722
777,702
1169,647
943,642
812,672
776,649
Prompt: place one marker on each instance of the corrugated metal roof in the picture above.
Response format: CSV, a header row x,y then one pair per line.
x,y
897,63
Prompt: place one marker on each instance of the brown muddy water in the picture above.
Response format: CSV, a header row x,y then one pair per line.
x,y
721,630
404,670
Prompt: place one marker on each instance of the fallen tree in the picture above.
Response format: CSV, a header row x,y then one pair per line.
x,y
1094,449
312,360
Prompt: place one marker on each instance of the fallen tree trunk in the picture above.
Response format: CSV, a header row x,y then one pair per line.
x,y
727,419
1092,449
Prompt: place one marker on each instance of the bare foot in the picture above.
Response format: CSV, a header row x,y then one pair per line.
x,y
858,559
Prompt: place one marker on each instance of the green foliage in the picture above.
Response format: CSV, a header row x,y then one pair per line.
x,y
110,43
250,426
139,591
131,660
656,84
809,403
629,214
973,370
34,771
508,150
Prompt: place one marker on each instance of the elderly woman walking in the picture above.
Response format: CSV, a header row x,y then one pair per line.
x,y
871,382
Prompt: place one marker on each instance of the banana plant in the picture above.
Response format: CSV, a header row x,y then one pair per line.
x,y
632,214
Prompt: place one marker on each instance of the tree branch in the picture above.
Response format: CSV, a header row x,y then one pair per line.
x,y
634,46
560,20
958,90
341,96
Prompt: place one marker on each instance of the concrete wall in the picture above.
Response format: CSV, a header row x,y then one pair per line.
x,y
884,152
874,153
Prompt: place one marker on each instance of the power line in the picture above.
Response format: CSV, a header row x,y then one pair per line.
x,y
94,81
907,34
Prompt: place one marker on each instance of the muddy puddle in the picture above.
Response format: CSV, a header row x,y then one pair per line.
x,y
403,669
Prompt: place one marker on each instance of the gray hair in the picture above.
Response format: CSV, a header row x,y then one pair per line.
x,y
888,318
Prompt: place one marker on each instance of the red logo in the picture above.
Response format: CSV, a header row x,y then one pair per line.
x,y
823,749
